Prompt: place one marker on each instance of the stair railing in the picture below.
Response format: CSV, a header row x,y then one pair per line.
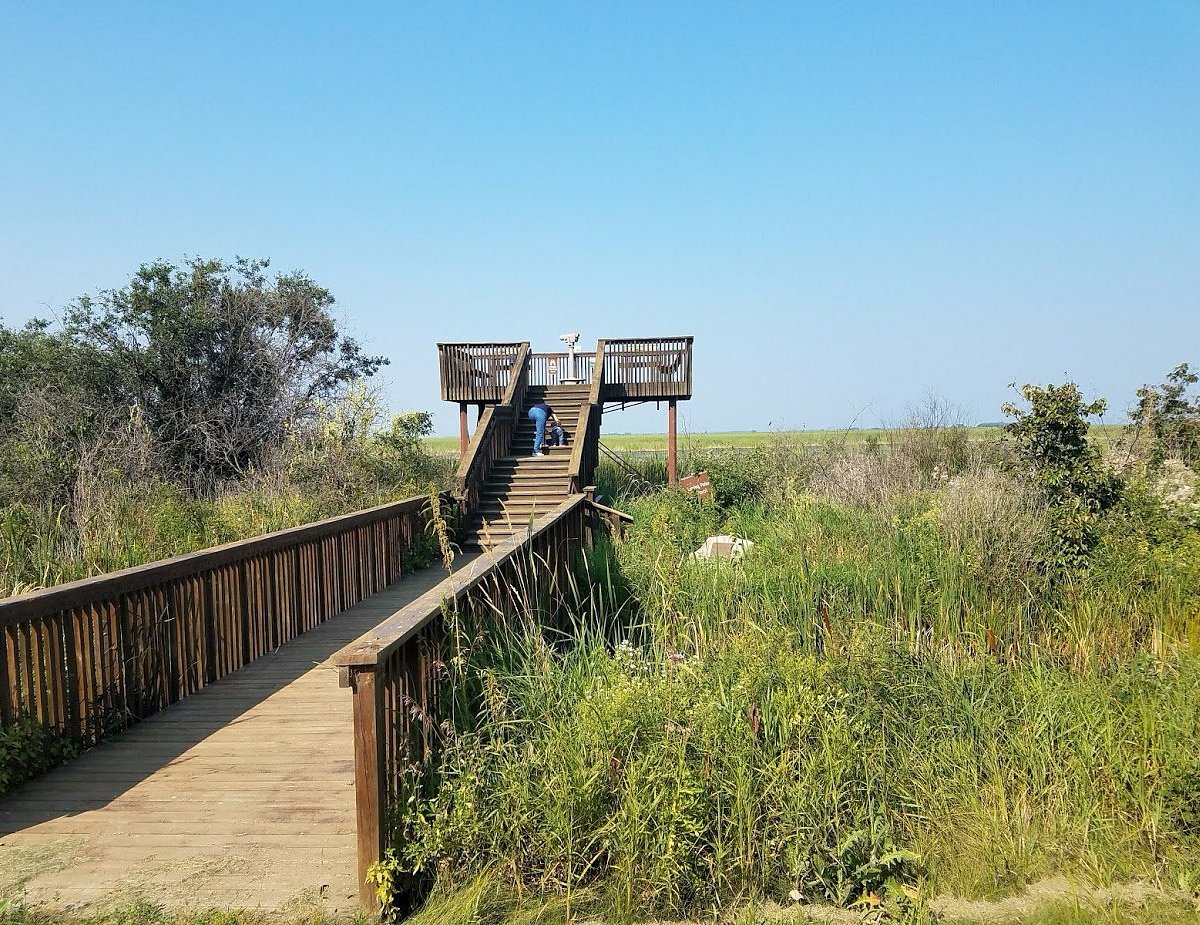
x,y
493,436
585,452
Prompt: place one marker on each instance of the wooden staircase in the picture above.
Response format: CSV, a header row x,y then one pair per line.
x,y
499,485
519,487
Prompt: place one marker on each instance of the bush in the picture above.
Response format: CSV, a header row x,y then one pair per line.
x,y
27,748
1050,442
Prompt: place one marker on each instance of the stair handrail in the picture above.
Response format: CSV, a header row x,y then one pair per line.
x,y
597,374
587,429
493,435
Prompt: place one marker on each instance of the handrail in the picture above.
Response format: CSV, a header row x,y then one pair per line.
x,y
493,435
476,372
648,369
598,374
92,656
380,642
584,453
609,519
690,338
583,432
514,394
401,672
540,368
85,591
610,511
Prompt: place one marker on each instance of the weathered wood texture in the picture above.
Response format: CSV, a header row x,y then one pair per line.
x,y
93,656
494,433
242,795
648,369
585,454
477,373
402,673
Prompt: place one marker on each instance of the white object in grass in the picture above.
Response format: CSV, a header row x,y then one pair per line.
x,y
723,547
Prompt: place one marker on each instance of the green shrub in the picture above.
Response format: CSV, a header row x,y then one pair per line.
x,y
28,748
1050,441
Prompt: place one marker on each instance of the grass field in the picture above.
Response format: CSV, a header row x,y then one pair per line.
x,y
746,439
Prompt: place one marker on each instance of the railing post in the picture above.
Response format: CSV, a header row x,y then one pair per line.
x,y
368,779
672,468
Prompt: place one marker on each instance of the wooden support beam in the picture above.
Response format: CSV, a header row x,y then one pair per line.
x,y
368,780
672,467
464,433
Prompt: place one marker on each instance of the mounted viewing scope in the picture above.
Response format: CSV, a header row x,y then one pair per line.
x,y
570,340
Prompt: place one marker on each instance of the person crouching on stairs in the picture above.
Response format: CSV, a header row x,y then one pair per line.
x,y
539,414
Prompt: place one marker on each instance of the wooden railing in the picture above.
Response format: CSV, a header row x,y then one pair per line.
x,y
494,433
648,369
553,368
91,657
477,373
609,520
405,674
586,450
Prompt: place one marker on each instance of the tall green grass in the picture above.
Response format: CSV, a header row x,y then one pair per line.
x,y
888,697
42,546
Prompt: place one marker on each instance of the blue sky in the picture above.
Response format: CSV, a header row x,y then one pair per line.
x,y
849,205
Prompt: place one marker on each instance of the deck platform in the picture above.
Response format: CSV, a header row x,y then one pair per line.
x,y
239,796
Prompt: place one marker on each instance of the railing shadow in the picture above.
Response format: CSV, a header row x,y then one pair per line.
x,y
118,765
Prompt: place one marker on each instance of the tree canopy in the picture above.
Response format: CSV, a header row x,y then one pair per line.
x,y
219,360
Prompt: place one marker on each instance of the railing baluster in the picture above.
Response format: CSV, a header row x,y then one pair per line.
x,y
91,656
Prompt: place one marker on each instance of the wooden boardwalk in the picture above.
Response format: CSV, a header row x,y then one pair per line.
x,y
239,796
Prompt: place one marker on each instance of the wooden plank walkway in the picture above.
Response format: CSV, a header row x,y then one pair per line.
x,y
239,796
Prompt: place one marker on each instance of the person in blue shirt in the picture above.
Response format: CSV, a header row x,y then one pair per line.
x,y
539,414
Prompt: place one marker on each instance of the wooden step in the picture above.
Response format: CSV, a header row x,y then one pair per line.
x,y
555,462
529,427
497,492
518,512
521,490
525,473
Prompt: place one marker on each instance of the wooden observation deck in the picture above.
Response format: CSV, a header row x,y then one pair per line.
x,y
501,484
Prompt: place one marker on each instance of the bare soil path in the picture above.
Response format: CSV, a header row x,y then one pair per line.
x,y
239,796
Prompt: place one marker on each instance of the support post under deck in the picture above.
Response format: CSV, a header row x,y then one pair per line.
x,y
464,435
672,469
369,797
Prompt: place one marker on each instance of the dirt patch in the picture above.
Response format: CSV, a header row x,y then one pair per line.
x,y
1041,894
22,863
1009,911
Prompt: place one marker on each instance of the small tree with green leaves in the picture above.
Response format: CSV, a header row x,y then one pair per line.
x,y
220,359
1170,416
1050,442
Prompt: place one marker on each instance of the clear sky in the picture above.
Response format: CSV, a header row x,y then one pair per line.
x,y
849,204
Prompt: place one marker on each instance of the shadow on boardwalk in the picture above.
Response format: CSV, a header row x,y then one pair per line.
x,y
240,795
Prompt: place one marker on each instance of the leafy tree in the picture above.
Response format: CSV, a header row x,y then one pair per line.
x,y
1170,416
1050,442
220,360
55,395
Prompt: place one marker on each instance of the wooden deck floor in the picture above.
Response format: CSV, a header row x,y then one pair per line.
x,y
240,796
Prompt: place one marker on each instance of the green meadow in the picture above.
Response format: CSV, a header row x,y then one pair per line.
x,y
747,439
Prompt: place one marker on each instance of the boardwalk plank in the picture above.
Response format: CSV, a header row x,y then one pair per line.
x,y
239,795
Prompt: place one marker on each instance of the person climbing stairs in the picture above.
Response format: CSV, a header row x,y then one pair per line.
x,y
520,487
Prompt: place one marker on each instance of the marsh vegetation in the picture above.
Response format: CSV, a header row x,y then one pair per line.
x,y
945,670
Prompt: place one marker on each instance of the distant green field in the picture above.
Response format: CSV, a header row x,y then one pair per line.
x,y
752,438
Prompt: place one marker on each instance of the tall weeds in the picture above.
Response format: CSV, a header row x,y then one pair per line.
x,y
889,693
